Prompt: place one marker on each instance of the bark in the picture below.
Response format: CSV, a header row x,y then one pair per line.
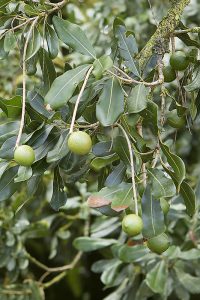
x,y
164,29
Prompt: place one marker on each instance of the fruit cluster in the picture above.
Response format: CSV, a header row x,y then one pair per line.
x,y
132,225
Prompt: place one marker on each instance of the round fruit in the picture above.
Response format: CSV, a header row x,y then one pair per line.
x,y
169,74
179,61
79,142
132,224
159,243
164,205
24,155
174,120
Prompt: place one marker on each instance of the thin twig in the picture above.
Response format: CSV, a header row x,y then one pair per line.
x,y
79,98
132,168
24,85
129,79
192,30
144,171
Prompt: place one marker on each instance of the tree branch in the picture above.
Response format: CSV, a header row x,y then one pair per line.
x,y
164,30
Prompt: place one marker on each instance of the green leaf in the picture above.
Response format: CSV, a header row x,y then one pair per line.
x,y
111,103
130,254
101,65
127,48
101,162
72,35
116,176
3,53
189,282
33,43
176,164
152,215
52,41
150,117
190,254
64,86
121,148
109,274
88,244
4,3
9,41
60,149
11,107
59,196
24,173
156,279
120,197
137,100
102,149
37,291
195,84
7,130
7,185
48,72
3,167
37,107
161,185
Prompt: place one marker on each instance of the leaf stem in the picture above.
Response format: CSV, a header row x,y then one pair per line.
x,y
79,98
24,84
132,168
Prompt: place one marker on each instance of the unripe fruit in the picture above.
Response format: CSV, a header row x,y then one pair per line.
x,y
164,205
169,74
159,243
174,120
179,61
24,155
132,224
79,142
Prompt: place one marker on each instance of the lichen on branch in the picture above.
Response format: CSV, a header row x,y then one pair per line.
x,y
164,29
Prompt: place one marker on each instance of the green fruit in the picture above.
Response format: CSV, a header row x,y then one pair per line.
x,y
79,142
132,224
24,155
169,74
159,243
179,61
174,120
164,205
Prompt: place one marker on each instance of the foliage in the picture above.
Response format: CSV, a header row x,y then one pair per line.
x,y
68,66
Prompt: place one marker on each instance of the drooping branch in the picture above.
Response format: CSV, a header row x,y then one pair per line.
x,y
164,29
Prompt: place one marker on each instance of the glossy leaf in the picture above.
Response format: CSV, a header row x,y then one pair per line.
x,y
9,41
176,164
116,176
162,186
7,185
150,117
156,279
137,100
72,35
101,65
87,244
130,254
120,197
195,84
48,72
52,41
127,48
121,148
111,103
11,107
152,215
59,196
64,86
60,149
24,173
189,282
33,43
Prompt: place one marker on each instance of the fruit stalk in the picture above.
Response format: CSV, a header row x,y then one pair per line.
x,y
79,98
24,85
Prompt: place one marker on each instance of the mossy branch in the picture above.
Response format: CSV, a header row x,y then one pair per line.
x,y
164,29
